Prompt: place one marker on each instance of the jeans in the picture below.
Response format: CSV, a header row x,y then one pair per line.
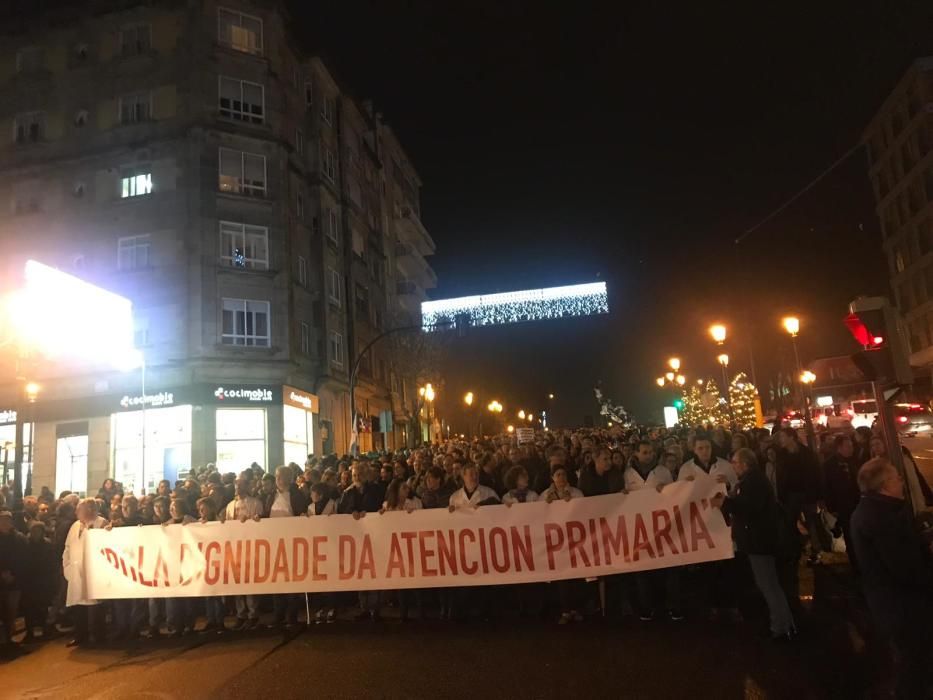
x,y
216,611
126,614
179,613
156,612
89,621
369,601
766,578
285,606
247,607
650,582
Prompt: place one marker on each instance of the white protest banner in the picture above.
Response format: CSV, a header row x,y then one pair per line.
x,y
524,543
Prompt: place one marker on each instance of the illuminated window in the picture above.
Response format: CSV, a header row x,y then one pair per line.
x,y
241,438
243,246
242,173
242,100
135,39
133,252
135,182
239,31
245,322
135,108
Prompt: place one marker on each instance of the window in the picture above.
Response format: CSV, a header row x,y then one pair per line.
x,y
329,164
359,244
133,252
332,229
328,107
241,437
300,207
333,287
243,246
336,349
135,181
304,338
135,40
309,93
239,31
245,322
242,100
299,142
135,108
29,127
302,271
242,173
29,60
362,301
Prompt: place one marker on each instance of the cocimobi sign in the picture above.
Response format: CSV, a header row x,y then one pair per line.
x,y
250,394
491,545
300,399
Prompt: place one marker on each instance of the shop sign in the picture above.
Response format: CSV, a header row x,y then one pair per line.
x,y
300,399
8,416
160,400
248,394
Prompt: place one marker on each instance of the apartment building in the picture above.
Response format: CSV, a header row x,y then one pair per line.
x,y
188,155
900,147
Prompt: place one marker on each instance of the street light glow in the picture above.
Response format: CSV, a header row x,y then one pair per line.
x,y
681,379
791,325
660,381
511,428
32,391
723,360
674,363
718,331
807,377
521,414
428,392
468,399
669,376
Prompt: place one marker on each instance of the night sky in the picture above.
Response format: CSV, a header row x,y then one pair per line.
x,y
567,142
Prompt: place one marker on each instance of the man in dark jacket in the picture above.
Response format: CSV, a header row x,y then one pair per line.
x,y
799,485
12,573
436,489
753,511
897,577
41,570
601,478
841,490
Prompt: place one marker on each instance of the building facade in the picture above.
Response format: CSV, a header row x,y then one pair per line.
x,y
187,155
900,147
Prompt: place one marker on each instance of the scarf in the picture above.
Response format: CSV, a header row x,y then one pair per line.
x,y
519,495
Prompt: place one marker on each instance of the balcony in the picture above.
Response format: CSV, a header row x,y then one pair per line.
x,y
413,232
407,288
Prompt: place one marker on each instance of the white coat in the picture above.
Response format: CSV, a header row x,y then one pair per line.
x,y
459,498
720,466
73,561
659,476
329,508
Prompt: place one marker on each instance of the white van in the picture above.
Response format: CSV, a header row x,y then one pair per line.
x,y
863,412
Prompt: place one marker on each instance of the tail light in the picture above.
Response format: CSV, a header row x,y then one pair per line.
x,y
902,419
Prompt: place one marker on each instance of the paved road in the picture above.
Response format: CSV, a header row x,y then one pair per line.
x,y
510,658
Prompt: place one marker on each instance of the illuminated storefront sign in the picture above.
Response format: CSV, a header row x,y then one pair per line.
x,y
248,394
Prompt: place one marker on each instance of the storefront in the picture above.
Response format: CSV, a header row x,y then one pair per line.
x,y
299,412
151,439
243,424
8,444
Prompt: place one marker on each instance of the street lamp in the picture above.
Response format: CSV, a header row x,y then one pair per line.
x,y
674,363
807,377
681,380
551,396
530,417
511,428
669,376
723,360
521,414
791,325
660,382
718,331
468,399
32,392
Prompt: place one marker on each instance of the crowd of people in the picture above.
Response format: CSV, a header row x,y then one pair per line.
x,y
782,499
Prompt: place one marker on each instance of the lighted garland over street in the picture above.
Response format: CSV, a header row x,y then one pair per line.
x,y
515,307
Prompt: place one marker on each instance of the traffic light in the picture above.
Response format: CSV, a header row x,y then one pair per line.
x,y
877,327
679,404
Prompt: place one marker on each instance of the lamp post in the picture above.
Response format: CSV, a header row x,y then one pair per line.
x,y
723,360
468,402
718,332
792,326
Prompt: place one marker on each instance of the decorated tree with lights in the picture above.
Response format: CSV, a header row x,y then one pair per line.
x,y
743,395
713,409
690,413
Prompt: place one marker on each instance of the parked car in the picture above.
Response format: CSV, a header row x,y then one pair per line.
x,y
863,413
831,417
913,418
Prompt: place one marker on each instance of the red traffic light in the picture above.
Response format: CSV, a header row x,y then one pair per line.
x,y
860,331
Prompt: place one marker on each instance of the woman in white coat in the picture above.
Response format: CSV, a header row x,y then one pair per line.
x,y
87,614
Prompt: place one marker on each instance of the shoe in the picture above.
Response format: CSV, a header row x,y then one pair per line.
x,y
239,625
73,643
319,617
331,616
675,615
565,618
274,625
646,617
251,624
151,632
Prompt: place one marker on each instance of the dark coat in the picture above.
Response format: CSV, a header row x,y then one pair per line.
x,y
593,484
897,576
798,473
13,560
753,510
368,499
42,569
840,487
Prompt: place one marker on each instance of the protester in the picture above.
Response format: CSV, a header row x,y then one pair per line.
x,y
799,487
86,613
13,571
896,572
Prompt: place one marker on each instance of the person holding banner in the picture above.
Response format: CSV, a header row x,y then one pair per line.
x,y
287,501
570,591
753,510
472,496
360,498
244,507
87,613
